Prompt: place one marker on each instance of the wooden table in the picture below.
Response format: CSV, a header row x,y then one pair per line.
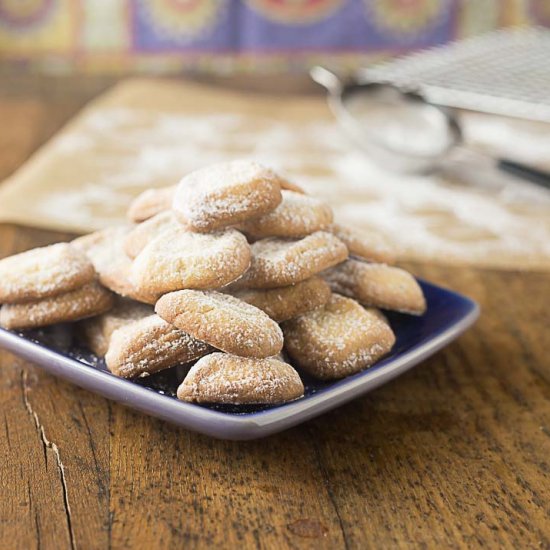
x,y
456,453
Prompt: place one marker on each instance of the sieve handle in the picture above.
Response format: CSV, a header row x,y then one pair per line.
x,y
533,175
326,78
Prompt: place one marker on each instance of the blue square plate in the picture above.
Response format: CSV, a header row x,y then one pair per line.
x,y
448,315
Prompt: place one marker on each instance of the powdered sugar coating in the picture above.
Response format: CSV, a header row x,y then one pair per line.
x,y
289,185
141,235
226,194
105,249
279,262
43,272
96,332
228,379
150,345
287,302
363,244
87,301
223,321
179,259
151,202
338,339
298,215
377,285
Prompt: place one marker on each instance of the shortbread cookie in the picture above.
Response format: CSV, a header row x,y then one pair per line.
x,y
141,235
297,216
228,379
287,302
290,185
87,242
226,194
96,332
43,272
87,301
150,345
151,202
363,244
338,339
106,251
223,321
179,259
377,285
280,262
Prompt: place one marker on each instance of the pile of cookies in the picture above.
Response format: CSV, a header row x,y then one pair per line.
x,y
233,272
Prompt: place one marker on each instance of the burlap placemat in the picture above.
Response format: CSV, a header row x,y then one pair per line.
x,y
148,132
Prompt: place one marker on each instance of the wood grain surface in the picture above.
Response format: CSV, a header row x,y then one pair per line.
x,y
454,454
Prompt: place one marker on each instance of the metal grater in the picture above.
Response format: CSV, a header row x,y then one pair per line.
x,y
506,72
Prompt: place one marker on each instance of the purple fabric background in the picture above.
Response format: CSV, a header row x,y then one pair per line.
x,y
166,35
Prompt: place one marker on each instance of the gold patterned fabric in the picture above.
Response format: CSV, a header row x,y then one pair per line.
x,y
246,35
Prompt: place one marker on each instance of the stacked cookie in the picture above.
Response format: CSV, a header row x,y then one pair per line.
x,y
49,285
232,271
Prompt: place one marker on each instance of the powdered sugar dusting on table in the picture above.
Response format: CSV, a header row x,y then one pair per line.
x,y
122,151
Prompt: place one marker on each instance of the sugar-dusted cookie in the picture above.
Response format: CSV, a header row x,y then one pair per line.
x,y
228,379
338,339
223,321
287,302
298,215
43,272
281,262
150,345
151,202
363,244
289,185
179,259
226,194
377,285
88,242
96,332
87,301
141,235
105,249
